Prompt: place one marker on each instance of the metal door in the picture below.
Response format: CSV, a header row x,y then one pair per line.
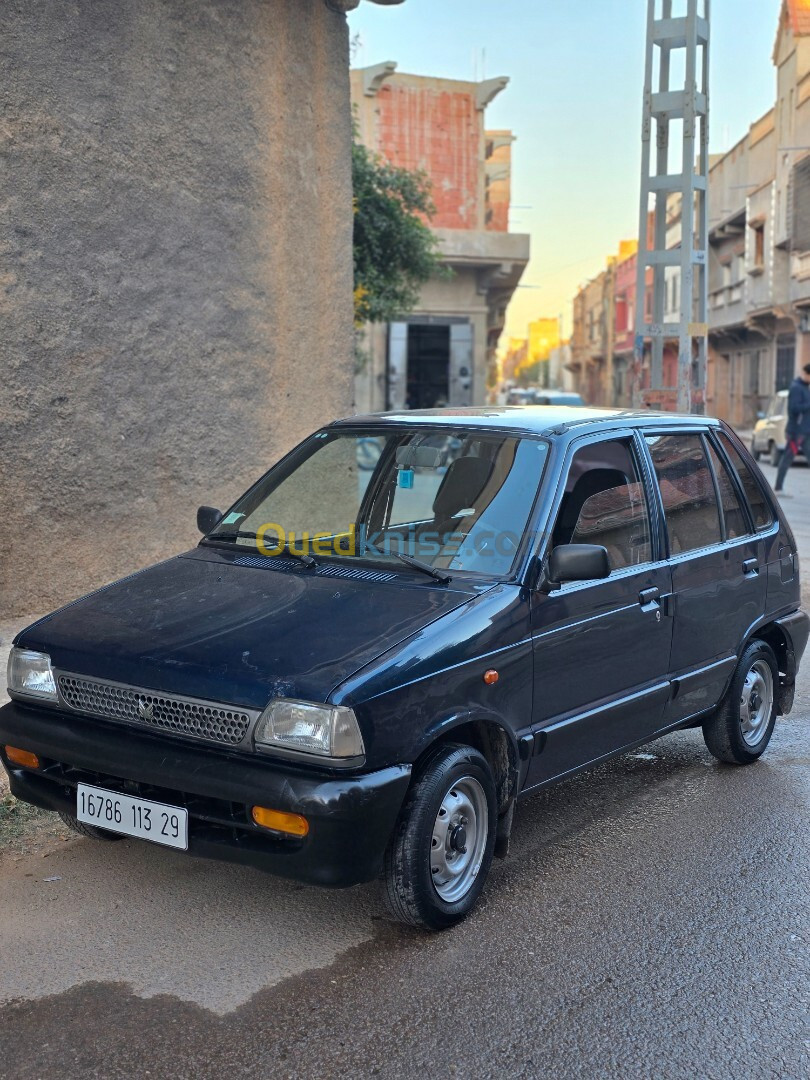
x,y
461,364
397,366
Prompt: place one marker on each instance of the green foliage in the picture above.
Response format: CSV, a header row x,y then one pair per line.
x,y
395,251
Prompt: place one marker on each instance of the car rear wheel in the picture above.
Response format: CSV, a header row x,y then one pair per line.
x,y
741,729
87,830
774,454
441,851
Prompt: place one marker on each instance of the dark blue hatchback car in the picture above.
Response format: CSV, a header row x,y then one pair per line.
x,y
407,624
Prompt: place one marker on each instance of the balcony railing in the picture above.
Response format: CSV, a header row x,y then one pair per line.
x,y
728,295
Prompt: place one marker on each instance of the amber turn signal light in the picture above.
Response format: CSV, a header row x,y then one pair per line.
x,y
491,677
22,757
278,821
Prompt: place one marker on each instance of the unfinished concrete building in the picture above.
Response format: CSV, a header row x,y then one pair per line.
x,y
443,352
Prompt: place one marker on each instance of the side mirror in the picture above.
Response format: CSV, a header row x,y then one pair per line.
x,y
760,415
576,562
207,519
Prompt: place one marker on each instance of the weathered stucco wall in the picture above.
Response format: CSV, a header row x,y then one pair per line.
x,y
175,275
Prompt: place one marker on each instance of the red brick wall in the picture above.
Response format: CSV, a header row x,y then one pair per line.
x,y
498,221
439,132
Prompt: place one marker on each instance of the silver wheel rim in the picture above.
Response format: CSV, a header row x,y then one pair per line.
x,y
459,839
756,702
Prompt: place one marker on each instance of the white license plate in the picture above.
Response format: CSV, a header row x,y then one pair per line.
x,y
141,818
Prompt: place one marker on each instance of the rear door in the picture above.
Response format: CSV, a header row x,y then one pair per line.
x,y
718,583
601,648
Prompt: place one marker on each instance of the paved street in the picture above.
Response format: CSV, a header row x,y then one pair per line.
x,y
652,920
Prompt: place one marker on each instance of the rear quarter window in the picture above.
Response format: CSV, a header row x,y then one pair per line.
x,y
755,496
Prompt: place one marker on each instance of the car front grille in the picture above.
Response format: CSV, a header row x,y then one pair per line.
x,y
148,708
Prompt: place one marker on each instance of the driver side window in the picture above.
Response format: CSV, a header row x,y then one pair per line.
x,y
605,504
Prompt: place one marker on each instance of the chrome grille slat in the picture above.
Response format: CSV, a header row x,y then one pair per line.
x,y
165,712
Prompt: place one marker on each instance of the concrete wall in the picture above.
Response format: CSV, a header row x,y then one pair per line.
x,y
176,278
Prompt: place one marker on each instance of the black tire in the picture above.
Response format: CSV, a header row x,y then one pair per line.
x,y
755,454
725,732
774,455
452,776
87,830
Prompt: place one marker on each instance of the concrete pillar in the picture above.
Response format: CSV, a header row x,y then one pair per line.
x,y
176,270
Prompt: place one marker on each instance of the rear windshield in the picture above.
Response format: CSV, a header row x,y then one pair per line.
x,y
455,500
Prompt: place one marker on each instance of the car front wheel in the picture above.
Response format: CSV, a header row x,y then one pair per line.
x,y
741,729
441,851
755,454
774,455
87,830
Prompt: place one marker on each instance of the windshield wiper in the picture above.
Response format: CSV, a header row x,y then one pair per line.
x,y
437,575
307,560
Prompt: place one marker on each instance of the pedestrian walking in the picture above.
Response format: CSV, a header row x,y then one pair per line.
x,y
797,428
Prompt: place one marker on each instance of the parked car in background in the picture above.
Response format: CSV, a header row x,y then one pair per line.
x,y
520,395
769,438
534,395
360,671
557,397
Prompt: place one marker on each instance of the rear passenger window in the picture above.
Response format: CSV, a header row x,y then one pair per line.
x,y
760,511
687,491
605,504
736,521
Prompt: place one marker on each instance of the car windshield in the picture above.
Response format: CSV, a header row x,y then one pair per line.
x,y
455,500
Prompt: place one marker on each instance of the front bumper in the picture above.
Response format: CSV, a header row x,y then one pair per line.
x,y
351,817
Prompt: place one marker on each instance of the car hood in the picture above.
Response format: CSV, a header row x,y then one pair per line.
x,y
242,629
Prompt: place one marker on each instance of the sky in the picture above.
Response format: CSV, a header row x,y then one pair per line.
x,y
574,101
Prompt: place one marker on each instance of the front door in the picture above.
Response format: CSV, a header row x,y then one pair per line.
x,y
601,648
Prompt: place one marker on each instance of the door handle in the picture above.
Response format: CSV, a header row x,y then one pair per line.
x,y
751,567
648,596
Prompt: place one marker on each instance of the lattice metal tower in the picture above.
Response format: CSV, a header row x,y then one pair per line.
x,y
678,33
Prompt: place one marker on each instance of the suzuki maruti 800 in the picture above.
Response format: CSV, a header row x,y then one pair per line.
x,y
405,626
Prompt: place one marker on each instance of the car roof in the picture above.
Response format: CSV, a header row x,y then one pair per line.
x,y
531,419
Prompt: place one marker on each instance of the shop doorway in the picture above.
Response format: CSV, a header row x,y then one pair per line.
x,y
430,364
428,384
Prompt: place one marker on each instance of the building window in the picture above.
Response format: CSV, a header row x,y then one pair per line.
x,y
621,315
758,247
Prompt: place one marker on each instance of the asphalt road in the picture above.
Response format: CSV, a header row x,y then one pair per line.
x,y
652,920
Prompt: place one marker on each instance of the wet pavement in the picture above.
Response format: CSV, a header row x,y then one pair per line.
x,y
652,920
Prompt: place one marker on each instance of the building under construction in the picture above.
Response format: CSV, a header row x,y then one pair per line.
x,y
443,353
